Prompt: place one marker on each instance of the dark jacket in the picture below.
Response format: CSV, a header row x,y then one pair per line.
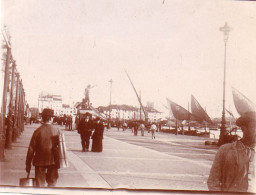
x,y
85,127
229,171
42,145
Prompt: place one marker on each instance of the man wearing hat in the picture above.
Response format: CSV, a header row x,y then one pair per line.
x,y
233,168
85,130
42,149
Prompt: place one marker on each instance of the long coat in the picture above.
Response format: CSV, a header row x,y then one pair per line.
x,y
42,145
229,171
97,138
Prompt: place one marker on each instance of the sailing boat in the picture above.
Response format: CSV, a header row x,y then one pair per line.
x,y
242,103
178,111
180,114
198,111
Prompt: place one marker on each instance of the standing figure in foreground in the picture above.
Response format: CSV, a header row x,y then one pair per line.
x,y
85,130
42,150
97,136
153,129
233,168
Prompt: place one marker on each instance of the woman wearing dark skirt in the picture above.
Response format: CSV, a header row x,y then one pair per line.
x,y
97,136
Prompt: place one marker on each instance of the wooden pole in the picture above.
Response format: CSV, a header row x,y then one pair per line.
x,y
23,110
140,107
19,110
188,118
9,131
146,118
15,128
6,85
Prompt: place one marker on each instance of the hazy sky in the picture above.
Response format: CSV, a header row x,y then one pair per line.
x,y
171,49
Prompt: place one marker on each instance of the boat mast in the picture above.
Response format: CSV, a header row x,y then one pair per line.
x,y
188,118
137,96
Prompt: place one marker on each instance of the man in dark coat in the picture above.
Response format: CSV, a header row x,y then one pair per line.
x,y
85,130
42,148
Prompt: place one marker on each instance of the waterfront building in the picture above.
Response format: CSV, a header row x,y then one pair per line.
x,y
50,101
55,102
126,112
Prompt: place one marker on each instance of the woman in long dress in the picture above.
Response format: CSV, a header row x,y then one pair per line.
x,y
97,136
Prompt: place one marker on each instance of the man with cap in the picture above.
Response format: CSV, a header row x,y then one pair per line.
x,y
42,151
233,168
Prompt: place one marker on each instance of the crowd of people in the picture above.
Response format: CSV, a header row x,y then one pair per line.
x,y
66,120
44,148
233,168
139,125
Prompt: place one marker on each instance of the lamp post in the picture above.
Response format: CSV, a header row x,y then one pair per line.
x,y
111,81
225,29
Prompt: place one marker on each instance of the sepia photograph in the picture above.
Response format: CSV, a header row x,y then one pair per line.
x,y
127,96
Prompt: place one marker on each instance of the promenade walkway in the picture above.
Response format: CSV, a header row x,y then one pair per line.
x,y
120,166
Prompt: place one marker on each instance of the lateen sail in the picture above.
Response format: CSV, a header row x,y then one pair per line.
x,y
198,111
179,112
242,103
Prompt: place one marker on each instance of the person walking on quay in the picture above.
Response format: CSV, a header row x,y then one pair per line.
x,y
135,128
97,136
118,125
233,168
42,150
70,123
124,126
142,128
85,130
153,129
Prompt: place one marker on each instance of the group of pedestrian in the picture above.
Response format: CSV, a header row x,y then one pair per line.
x,y
233,168
91,129
140,126
44,147
64,120
68,122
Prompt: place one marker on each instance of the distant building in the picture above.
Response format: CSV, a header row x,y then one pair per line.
x,y
67,110
34,112
153,114
125,112
55,102
50,101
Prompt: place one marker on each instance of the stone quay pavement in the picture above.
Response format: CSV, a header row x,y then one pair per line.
x,y
120,166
